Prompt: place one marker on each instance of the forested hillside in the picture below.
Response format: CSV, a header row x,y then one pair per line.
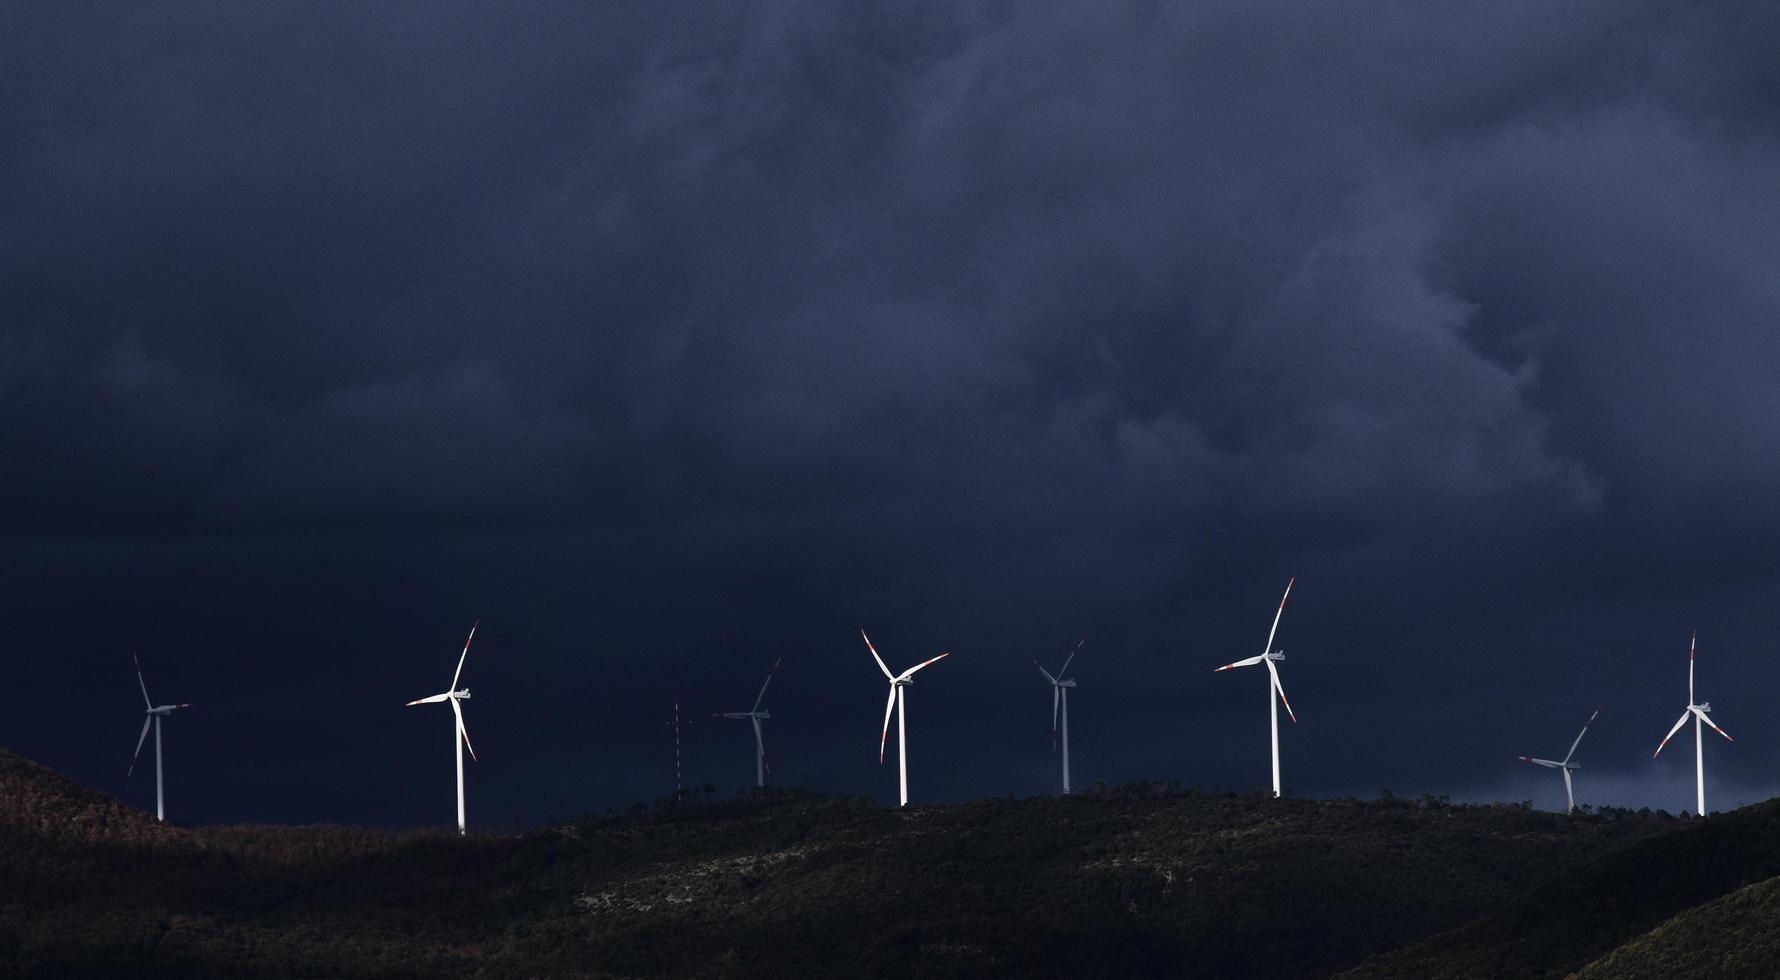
x,y
1615,897
1143,880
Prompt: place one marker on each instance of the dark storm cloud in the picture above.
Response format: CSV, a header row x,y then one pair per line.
x,y
679,337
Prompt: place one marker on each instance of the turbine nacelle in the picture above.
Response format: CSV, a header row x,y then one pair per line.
x,y
1276,655
1704,706
167,709
1551,763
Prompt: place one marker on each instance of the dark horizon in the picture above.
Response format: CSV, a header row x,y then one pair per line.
x,y
671,341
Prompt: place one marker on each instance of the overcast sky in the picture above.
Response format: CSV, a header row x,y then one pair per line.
x,y
671,338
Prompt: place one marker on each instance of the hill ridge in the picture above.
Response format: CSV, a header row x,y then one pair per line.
x,y
1143,880
1565,923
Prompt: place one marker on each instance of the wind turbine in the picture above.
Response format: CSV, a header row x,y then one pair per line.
x,y
757,716
1060,698
897,683
1567,766
1267,656
1699,712
155,714
679,788
460,736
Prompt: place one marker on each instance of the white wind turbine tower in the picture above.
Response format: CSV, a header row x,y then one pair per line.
x,y
679,787
897,683
460,736
1567,766
1060,698
155,714
757,716
1267,656
1699,712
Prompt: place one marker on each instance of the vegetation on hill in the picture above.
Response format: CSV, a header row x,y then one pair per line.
x,y
1737,935
52,808
1132,884
1142,881
1588,909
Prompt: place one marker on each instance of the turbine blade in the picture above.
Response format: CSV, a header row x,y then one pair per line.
x,y
139,680
1249,662
1569,790
889,706
911,671
146,722
461,656
1056,695
1678,723
874,656
760,744
1065,668
461,730
1714,725
1690,647
1045,672
435,699
1277,686
1281,612
1547,763
1591,720
769,680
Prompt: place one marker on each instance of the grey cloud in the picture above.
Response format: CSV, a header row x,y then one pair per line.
x,y
1064,315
